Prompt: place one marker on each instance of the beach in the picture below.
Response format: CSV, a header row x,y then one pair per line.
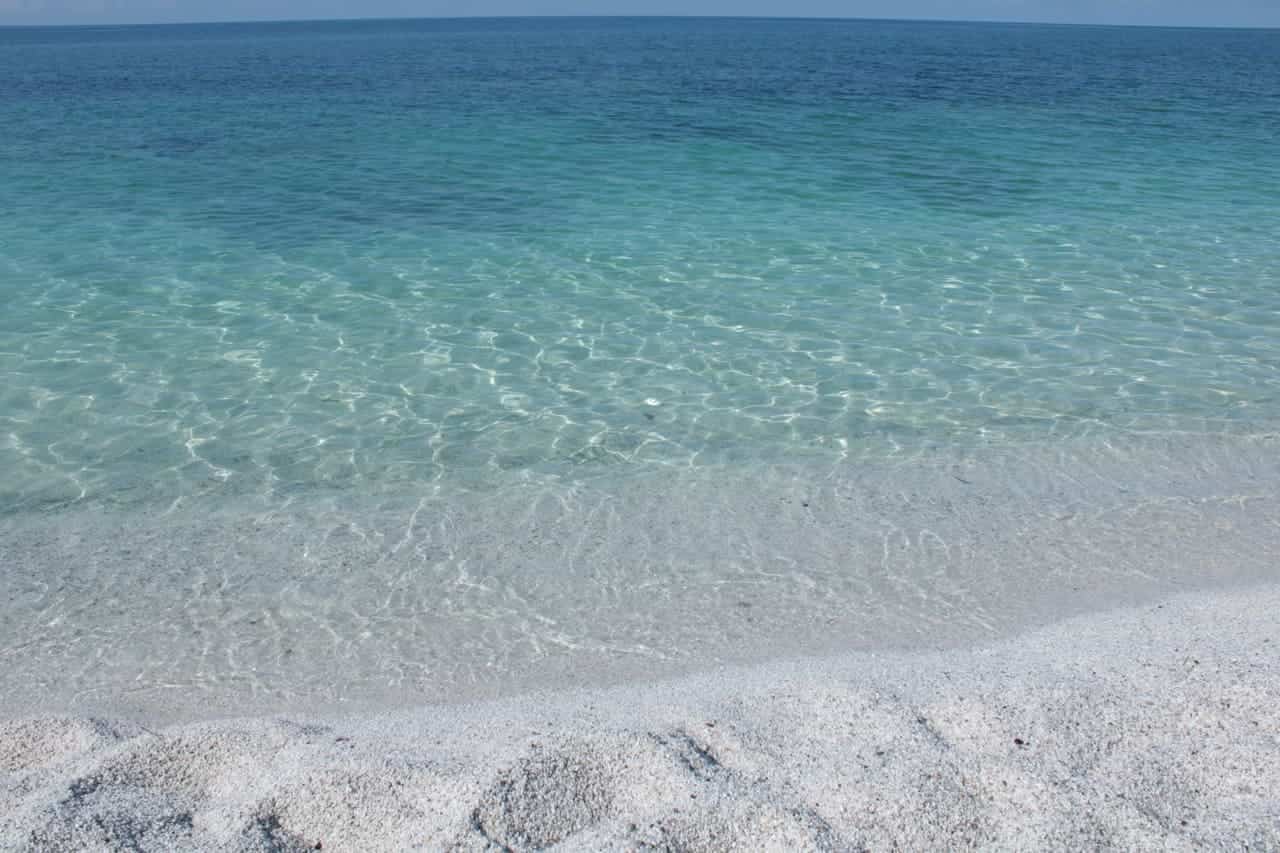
x,y
1139,728
639,433
835,659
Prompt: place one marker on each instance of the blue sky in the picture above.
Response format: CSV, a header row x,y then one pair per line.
x,y
1255,13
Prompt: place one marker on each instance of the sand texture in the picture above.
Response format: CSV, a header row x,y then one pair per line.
x,y
1154,727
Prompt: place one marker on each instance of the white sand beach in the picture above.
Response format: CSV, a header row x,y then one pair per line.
x,y
612,433
1155,727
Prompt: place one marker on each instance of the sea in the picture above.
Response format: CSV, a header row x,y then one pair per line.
x,y
349,364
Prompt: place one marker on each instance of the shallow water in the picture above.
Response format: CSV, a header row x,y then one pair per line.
x,y
274,291
340,602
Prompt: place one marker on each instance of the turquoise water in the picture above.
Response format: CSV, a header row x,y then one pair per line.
x,y
388,362
264,259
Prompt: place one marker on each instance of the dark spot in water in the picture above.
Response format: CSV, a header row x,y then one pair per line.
x,y
172,146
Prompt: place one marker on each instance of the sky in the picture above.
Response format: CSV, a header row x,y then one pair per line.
x,y
1232,13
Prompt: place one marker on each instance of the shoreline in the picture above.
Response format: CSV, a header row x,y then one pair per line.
x,y
670,435
405,601
1152,725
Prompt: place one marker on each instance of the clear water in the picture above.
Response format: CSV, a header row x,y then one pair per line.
x,y
258,267
270,258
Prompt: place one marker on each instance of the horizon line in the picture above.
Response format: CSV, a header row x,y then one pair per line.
x,y
851,18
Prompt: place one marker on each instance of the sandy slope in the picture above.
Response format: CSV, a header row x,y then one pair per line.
x,y
1139,728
